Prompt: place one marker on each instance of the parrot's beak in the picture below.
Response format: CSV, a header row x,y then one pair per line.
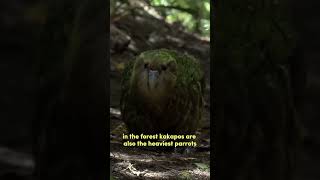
x,y
153,76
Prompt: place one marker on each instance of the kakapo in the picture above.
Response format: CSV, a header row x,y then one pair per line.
x,y
162,92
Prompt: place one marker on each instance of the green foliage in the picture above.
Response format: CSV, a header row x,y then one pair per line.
x,y
193,15
202,166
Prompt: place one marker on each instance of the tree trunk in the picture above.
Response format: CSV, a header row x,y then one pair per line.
x,y
257,131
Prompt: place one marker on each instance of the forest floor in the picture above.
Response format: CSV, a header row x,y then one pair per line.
x,y
131,35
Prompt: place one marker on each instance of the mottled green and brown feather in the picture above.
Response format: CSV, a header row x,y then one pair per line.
x,y
184,109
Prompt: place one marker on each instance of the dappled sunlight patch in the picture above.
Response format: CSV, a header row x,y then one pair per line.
x,y
115,112
127,169
125,156
153,165
201,172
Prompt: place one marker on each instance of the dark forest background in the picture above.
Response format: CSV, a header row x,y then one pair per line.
x,y
53,97
266,95
265,86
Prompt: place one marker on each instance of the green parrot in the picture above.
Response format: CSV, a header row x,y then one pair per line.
x,y
162,91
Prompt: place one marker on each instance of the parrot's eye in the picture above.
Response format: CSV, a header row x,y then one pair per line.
x,y
172,66
163,67
146,65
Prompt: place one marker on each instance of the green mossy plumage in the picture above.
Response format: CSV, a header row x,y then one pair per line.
x,y
183,109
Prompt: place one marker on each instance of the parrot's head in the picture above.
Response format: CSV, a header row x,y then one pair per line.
x,y
155,74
